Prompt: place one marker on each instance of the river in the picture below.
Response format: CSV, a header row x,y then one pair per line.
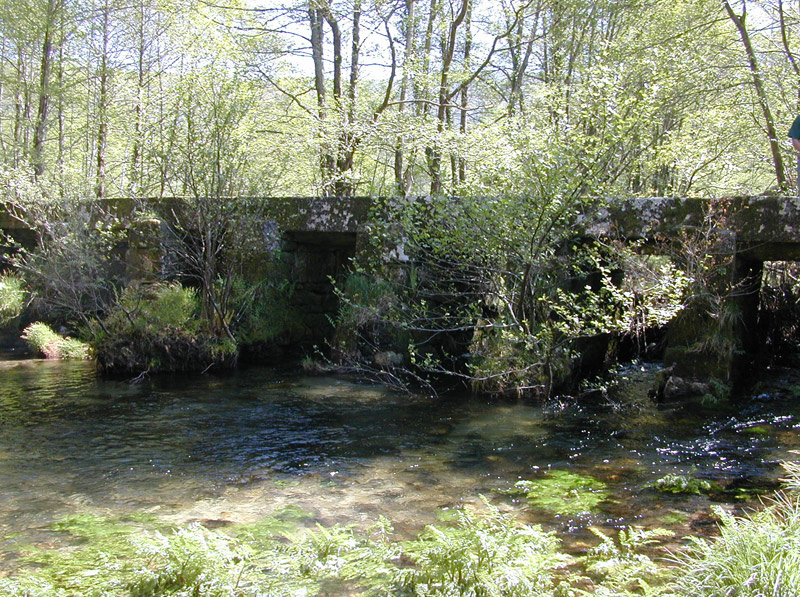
x,y
222,449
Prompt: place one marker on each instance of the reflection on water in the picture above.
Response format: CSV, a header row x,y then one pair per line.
x,y
238,447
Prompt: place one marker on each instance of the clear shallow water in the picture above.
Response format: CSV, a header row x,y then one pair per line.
x,y
239,447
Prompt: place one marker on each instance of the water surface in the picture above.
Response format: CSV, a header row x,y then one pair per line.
x,y
238,447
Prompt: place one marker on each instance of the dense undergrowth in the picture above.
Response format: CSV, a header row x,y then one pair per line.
x,y
483,553
155,328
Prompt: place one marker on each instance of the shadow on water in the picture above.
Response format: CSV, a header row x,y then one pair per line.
x,y
238,447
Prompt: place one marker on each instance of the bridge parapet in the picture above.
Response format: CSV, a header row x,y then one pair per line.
x,y
765,228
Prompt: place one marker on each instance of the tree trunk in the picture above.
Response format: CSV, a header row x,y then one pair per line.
x,y
40,132
61,128
102,115
434,153
135,177
327,162
761,95
400,179
462,127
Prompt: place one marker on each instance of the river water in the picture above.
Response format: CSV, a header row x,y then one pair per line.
x,y
238,447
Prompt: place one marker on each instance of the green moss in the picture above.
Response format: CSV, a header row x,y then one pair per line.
x,y
283,523
564,493
746,494
761,430
90,526
674,518
102,559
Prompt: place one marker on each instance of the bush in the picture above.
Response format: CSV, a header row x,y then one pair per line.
x,y
154,307
42,339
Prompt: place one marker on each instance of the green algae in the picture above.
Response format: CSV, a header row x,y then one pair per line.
x,y
564,493
684,484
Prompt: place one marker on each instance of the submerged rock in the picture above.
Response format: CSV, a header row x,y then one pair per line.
x,y
680,387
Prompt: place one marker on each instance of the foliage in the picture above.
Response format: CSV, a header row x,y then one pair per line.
x,y
75,268
262,310
156,327
13,298
564,493
495,291
362,300
167,98
621,566
369,335
491,555
42,339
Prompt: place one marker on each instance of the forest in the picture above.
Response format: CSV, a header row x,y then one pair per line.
x,y
549,98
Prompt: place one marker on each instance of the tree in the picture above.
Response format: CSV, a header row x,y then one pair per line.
x,y
760,91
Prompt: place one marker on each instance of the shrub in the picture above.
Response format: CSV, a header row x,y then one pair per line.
x,y
154,307
42,339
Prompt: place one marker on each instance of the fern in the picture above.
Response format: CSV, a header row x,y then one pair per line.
x,y
484,556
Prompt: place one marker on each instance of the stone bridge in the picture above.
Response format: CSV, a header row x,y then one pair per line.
x,y
760,228
744,232
319,237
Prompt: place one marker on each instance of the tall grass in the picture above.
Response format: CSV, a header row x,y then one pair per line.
x,y
757,555
12,298
43,340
